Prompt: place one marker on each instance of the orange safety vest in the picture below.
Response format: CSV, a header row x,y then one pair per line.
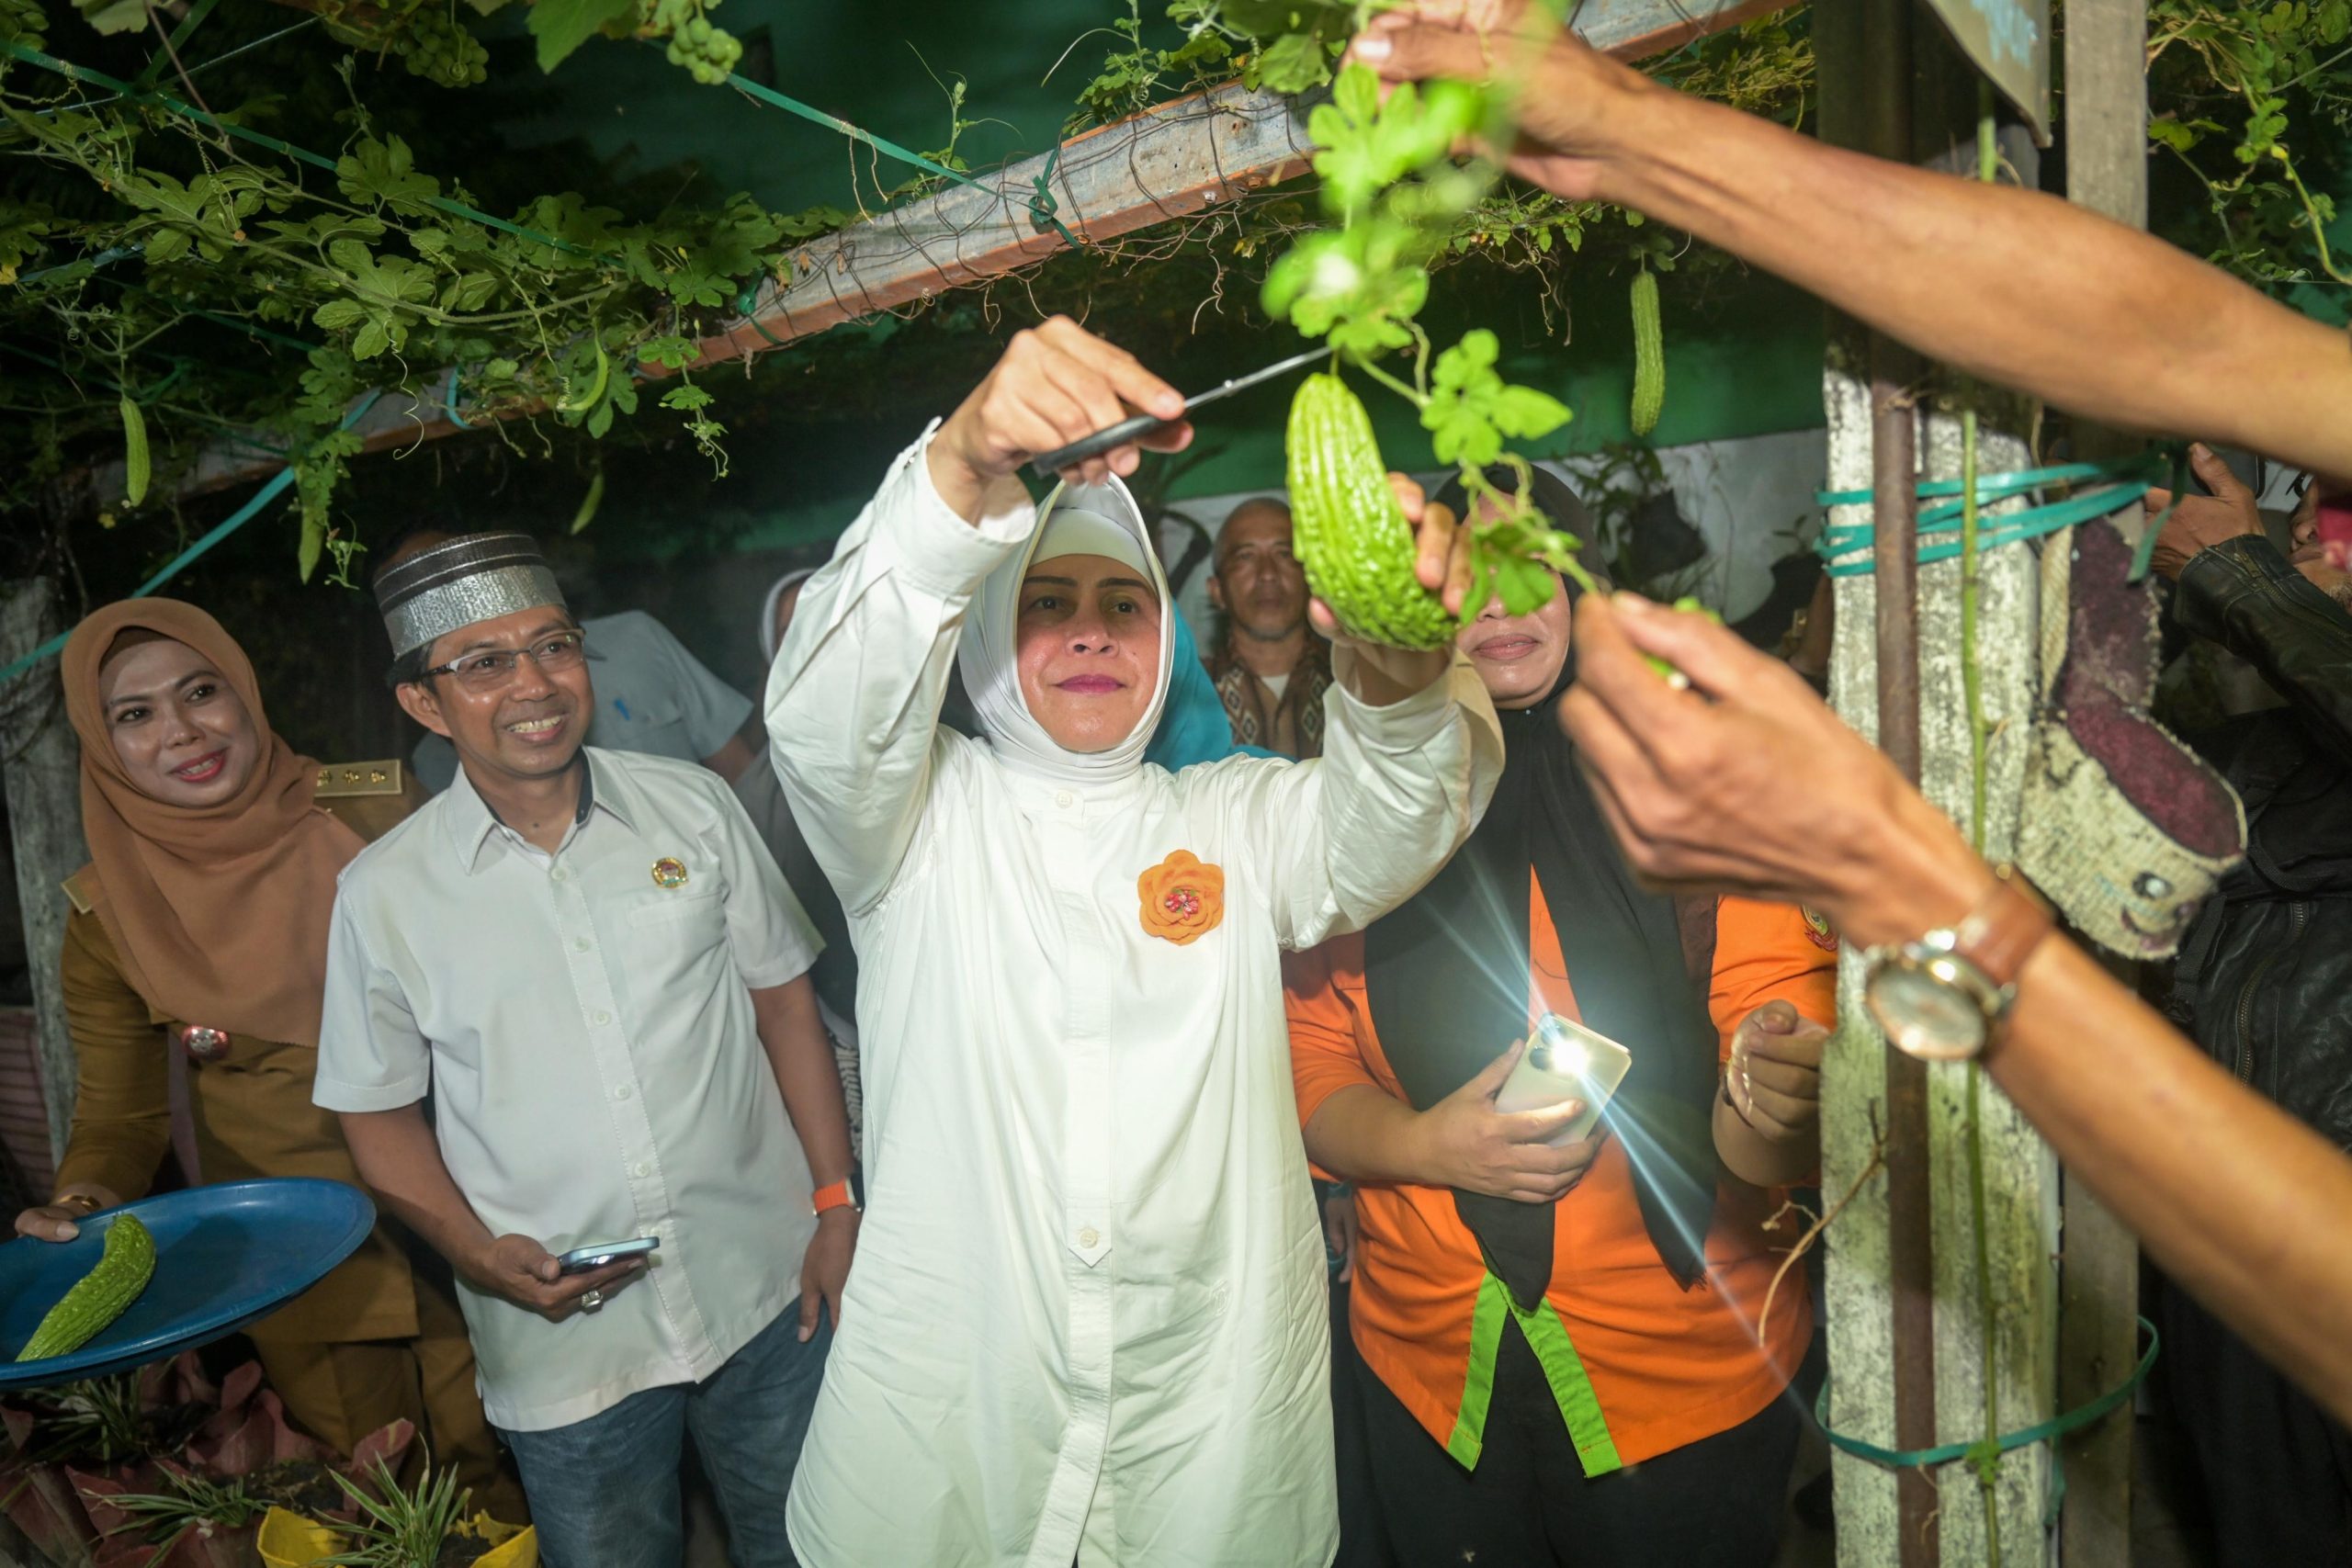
x,y
1637,1365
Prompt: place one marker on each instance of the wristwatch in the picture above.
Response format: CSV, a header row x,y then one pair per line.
x,y
849,1191
1943,998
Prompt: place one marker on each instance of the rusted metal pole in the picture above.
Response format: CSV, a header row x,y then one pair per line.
x,y
1886,131
1909,1191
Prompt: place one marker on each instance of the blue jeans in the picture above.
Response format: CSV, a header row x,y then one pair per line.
x,y
604,1492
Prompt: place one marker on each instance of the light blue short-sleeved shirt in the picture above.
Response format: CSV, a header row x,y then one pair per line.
x,y
653,697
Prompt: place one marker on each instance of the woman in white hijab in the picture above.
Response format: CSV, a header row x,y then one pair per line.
x,y
1088,1321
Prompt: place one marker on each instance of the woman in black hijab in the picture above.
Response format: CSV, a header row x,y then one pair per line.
x,y
1534,1320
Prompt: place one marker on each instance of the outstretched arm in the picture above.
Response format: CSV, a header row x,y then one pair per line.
x,y
2010,285
1746,782
853,701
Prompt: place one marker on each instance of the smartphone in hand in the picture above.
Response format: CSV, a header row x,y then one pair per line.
x,y
588,1260
1566,1061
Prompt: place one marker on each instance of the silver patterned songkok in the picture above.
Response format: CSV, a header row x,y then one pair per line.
x,y
476,577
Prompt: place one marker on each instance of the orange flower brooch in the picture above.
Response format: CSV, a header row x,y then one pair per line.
x,y
1182,899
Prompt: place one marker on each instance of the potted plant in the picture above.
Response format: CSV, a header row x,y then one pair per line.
x,y
189,1521
424,1526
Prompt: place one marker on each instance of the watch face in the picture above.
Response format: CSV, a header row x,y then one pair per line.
x,y
1925,1016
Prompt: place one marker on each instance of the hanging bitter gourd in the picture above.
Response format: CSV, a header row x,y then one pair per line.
x,y
1649,355
100,1296
136,463
1350,533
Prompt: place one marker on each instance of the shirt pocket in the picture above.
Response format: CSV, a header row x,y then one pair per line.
x,y
700,911
671,933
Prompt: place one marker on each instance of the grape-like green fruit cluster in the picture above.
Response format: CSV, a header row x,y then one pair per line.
x,y
436,47
708,53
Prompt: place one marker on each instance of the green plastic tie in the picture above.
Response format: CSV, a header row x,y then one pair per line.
x,y
2132,477
1043,206
449,401
82,74
746,303
1984,1452
2146,554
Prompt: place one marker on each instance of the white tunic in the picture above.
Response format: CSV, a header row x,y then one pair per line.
x,y
1088,1307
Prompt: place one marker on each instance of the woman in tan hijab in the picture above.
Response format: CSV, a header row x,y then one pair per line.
x,y
199,926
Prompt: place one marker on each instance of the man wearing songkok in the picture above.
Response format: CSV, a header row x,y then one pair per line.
x,y
590,962
652,694
1088,1321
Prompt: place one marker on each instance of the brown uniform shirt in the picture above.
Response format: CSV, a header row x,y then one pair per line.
x,y
251,1108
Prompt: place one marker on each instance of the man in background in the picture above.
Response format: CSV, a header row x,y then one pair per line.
x,y
653,697
1270,668
2265,978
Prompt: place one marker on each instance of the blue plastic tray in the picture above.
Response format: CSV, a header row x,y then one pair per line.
x,y
224,1256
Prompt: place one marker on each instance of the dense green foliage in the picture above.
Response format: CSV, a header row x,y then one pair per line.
x,y
2254,104
174,280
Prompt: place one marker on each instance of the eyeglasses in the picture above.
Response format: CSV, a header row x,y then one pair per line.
x,y
493,667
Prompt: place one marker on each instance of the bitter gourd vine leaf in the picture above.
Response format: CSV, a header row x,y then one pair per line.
x,y
1346,284
562,26
1471,408
385,172
1365,146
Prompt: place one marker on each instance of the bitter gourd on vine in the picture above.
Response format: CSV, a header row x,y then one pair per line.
x,y
1649,355
1350,533
100,1296
135,463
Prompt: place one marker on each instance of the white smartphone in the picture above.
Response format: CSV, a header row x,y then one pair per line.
x,y
1566,1061
587,1259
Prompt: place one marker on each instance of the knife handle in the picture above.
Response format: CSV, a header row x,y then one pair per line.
x,y
1127,432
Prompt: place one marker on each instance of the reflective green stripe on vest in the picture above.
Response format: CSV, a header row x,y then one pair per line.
x,y
1563,1370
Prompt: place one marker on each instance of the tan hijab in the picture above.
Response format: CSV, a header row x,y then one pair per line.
x,y
220,915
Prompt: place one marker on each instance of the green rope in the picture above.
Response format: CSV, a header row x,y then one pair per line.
x,y
234,323
82,74
180,35
1042,205
179,363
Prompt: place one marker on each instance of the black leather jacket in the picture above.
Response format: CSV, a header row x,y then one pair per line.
x,y
2264,977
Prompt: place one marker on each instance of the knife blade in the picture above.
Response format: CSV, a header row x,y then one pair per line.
x,y
1128,431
